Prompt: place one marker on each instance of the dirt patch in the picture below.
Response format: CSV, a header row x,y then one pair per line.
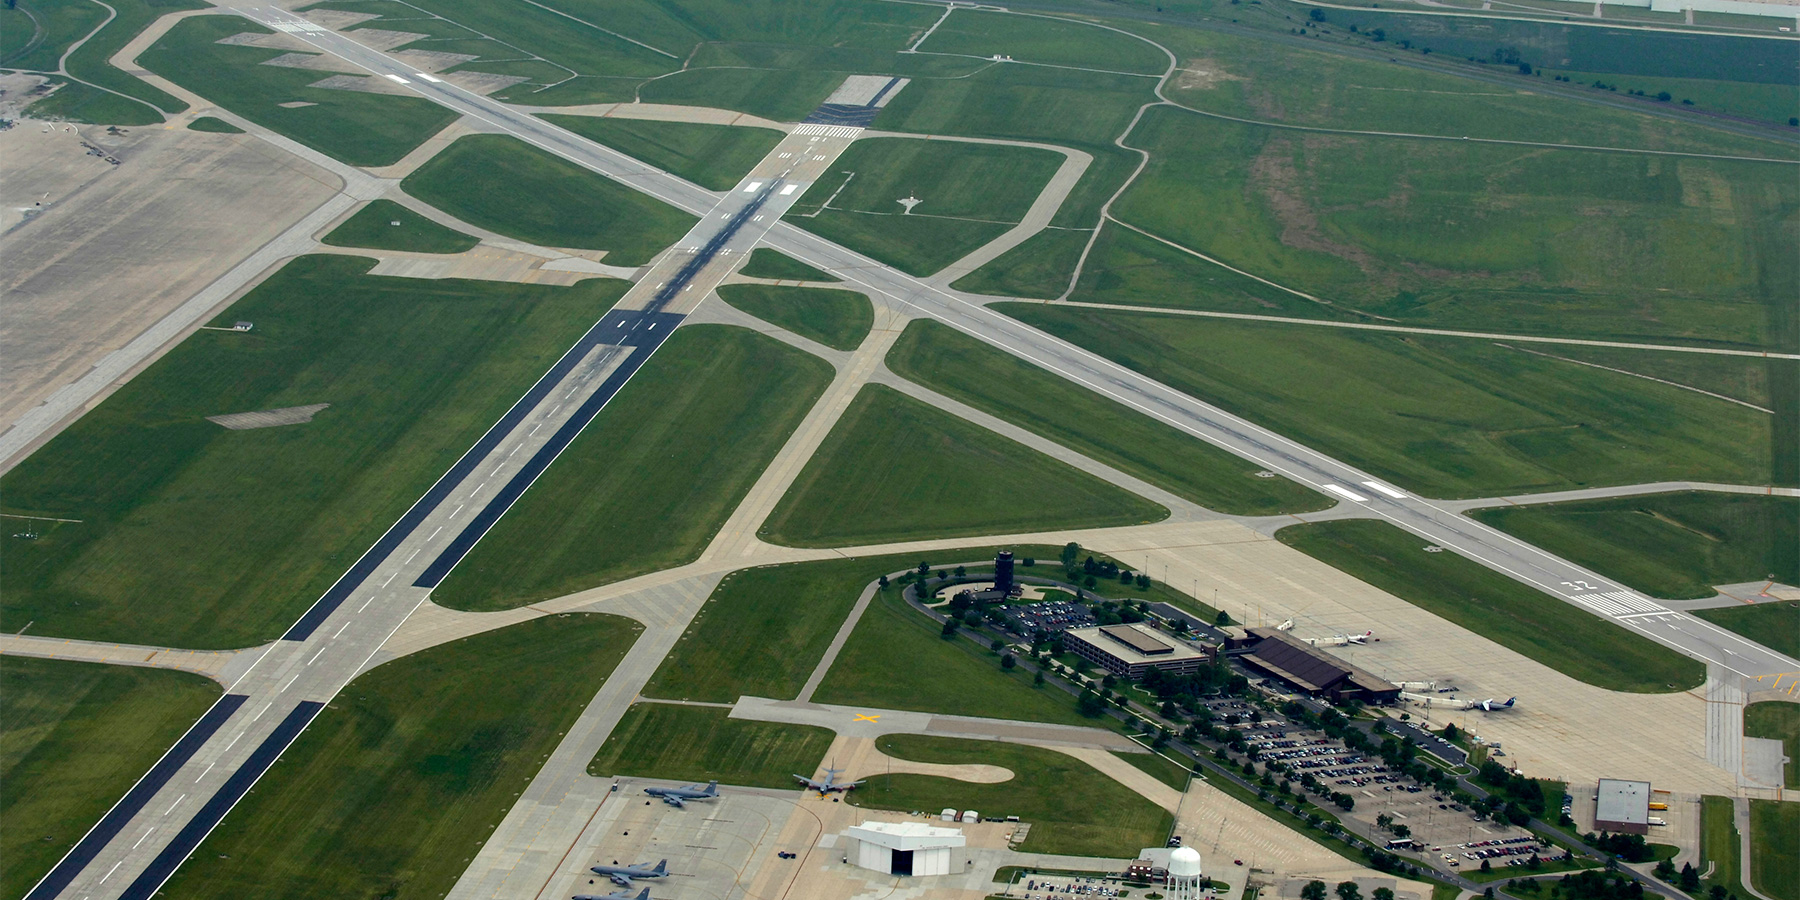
x,y
1203,74
1276,181
363,83
317,62
383,40
268,418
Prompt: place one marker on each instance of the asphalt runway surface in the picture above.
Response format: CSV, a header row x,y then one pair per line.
x,y
132,852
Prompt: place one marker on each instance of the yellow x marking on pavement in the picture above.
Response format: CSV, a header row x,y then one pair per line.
x,y
865,718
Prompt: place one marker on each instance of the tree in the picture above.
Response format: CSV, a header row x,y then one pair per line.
x,y
1143,581
1451,732
1402,831
1008,661
1524,68
1317,15
924,568
1487,866
1314,890
1384,821
1070,553
1347,890
961,571
1090,704
1487,894
1038,679
1690,879
1664,96
883,582
949,629
1222,618
1382,893
997,645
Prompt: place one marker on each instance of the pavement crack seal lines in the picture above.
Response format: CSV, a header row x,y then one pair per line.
x,y
138,845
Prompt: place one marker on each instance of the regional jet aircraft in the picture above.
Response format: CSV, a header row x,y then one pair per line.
x,y
1488,705
623,875
829,785
679,796
615,895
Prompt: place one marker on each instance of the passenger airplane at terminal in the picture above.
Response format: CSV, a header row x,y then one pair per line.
x,y
678,796
1488,705
624,875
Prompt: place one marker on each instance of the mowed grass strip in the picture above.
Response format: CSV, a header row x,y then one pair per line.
x,y
1446,417
1676,546
653,477
509,187
999,383
403,777
1779,721
767,263
74,737
92,61
214,125
1774,625
1044,40
895,658
1038,269
355,127
895,469
1073,808
1167,772
1520,618
716,157
1720,845
969,194
1774,836
700,744
838,319
192,535
386,225
763,630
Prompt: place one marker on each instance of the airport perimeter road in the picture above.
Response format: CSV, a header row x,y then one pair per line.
x,y
1437,525
141,841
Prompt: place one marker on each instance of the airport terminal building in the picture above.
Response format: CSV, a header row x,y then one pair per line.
x,y
1129,651
1309,669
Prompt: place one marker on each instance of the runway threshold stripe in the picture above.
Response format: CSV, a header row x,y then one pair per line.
x,y
203,822
645,342
604,331
114,821
1346,493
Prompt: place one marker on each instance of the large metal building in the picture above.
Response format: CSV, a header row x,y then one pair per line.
x,y
905,848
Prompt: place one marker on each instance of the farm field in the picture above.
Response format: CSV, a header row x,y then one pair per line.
x,y
373,227
1675,546
1520,618
895,469
1446,417
254,525
700,744
643,480
356,127
1073,808
963,368
410,767
74,737
972,193
838,319
715,157
481,179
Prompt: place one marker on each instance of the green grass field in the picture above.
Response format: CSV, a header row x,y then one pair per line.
x,y
400,780
374,227
896,659
837,319
1720,844
1471,235
214,125
895,469
961,367
1446,417
355,127
715,157
74,101
767,263
1043,40
1518,617
1676,546
1774,835
700,744
1073,808
1775,625
644,487
36,36
90,62
510,187
191,535
1165,771
74,737
1779,721
1037,269
969,193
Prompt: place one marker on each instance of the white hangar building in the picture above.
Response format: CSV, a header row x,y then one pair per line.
x,y
905,848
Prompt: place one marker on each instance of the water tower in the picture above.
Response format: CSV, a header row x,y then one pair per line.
x,y
1185,880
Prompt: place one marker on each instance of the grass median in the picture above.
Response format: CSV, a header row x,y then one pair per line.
x,y
714,157
177,531
895,469
646,486
74,737
1774,835
1514,615
398,783
1777,720
702,743
838,319
386,225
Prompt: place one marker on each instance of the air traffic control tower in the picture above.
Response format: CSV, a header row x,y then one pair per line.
x,y
1003,574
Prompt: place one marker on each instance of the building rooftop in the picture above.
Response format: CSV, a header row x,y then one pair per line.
x,y
1142,641
1306,666
1623,801
906,835
1136,643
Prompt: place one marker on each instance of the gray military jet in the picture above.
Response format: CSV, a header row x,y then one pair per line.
x,y
679,796
829,784
624,875
615,895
